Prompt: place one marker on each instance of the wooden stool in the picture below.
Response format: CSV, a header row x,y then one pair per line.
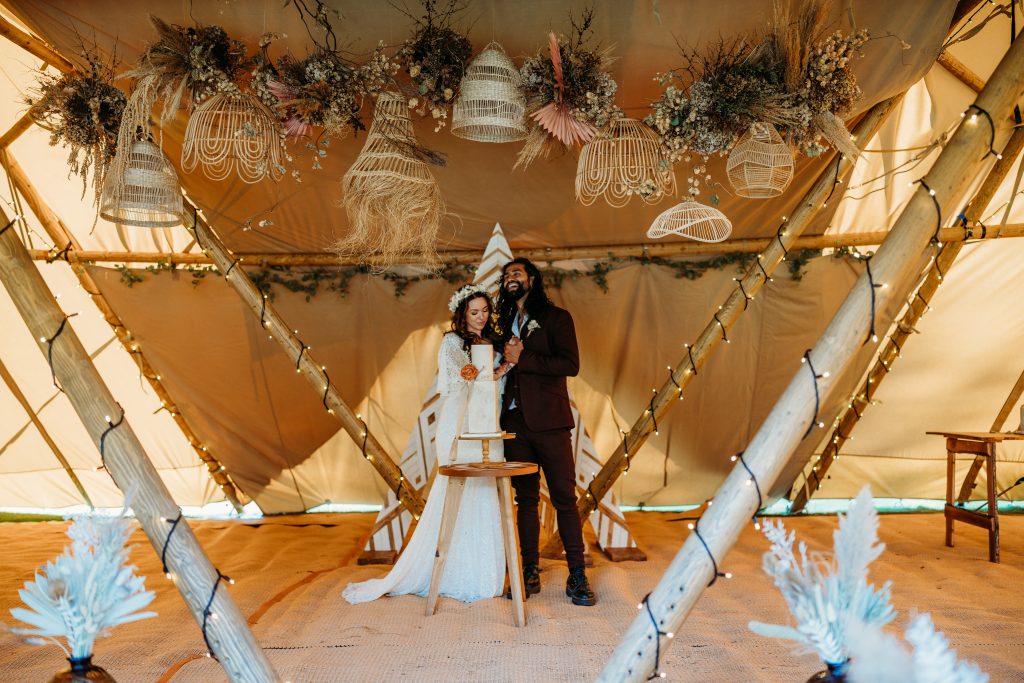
x,y
500,472
981,445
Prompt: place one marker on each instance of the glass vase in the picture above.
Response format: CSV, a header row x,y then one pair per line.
x,y
82,670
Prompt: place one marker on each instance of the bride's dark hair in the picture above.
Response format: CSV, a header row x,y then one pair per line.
x,y
460,327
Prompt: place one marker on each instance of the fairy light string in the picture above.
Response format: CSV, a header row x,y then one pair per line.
x,y
49,349
938,211
658,635
167,541
695,527
672,378
693,363
991,126
817,394
59,255
9,225
872,286
111,426
208,612
757,486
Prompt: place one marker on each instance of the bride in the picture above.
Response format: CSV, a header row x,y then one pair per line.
x,y
475,568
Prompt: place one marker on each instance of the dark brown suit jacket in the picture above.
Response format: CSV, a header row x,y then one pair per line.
x,y
550,354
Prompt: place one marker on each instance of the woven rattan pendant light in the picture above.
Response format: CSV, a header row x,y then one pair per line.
x,y
622,161
145,192
393,204
491,106
693,220
232,133
761,163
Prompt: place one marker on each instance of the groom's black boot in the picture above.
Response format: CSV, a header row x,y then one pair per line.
x,y
531,582
578,588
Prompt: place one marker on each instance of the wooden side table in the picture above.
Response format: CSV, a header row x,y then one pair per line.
x,y
981,444
501,473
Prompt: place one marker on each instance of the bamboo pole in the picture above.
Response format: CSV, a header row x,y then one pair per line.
x,y
916,308
124,458
34,45
716,331
19,127
316,374
893,269
745,246
20,396
960,71
62,236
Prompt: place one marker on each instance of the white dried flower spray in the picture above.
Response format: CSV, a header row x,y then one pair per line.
x,y
87,590
828,595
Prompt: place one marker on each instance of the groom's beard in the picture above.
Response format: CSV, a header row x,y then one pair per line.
x,y
514,291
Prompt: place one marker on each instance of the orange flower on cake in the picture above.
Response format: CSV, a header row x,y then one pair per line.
x,y
469,372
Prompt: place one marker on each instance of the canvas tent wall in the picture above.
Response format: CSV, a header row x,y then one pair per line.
x,y
242,396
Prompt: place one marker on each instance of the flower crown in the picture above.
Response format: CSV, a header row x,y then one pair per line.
x,y
463,293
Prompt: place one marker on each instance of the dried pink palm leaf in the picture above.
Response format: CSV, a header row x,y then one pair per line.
x,y
555,117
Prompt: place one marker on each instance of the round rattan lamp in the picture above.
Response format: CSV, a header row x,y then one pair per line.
x,y
693,220
232,133
761,163
491,106
146,194
623,160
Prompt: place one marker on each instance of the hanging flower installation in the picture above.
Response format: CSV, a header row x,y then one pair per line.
x,y
569,92
491,106
82,110
435,58
393,204
791,77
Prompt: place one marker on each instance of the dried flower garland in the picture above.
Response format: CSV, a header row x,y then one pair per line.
x,y
791,77
569,92
435,57
194,61
324,90
82,110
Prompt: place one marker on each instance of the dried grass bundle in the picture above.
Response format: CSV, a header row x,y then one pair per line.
x,y
391,198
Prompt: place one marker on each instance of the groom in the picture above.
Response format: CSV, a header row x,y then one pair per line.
x,y
535,407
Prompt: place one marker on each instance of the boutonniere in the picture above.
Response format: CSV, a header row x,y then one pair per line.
x,y
531,326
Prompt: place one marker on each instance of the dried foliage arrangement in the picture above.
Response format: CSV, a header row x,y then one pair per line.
x,y
82,110
877,657
829,596
323,89
435,57
791,76
86,591
189,63
569,92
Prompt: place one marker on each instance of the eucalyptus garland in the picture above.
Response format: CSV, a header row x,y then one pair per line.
x,y
310,281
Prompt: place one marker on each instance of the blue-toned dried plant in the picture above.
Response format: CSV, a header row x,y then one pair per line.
x,y
86,591
828,595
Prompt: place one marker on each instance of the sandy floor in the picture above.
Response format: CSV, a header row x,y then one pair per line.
x,y
289,574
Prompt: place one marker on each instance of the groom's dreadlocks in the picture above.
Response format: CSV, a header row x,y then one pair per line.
x,y
536,299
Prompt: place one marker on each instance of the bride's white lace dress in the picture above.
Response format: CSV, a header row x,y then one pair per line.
x,y
475,568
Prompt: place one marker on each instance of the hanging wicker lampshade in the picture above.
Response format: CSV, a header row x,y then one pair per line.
x,y
622,161
145,193
232,133
761,163
491,106
392,200
694,220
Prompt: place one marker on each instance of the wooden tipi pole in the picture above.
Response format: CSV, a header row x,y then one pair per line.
x,y
34,419
315,373
904,328
224,627
638,251
716,331
62,240
891,273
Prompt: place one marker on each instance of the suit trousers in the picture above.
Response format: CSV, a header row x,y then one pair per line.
x,y
552,451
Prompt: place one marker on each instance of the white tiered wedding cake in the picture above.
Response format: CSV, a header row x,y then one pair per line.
x,y
484,406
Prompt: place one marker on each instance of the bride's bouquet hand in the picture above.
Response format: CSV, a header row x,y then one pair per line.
x,y
503,369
